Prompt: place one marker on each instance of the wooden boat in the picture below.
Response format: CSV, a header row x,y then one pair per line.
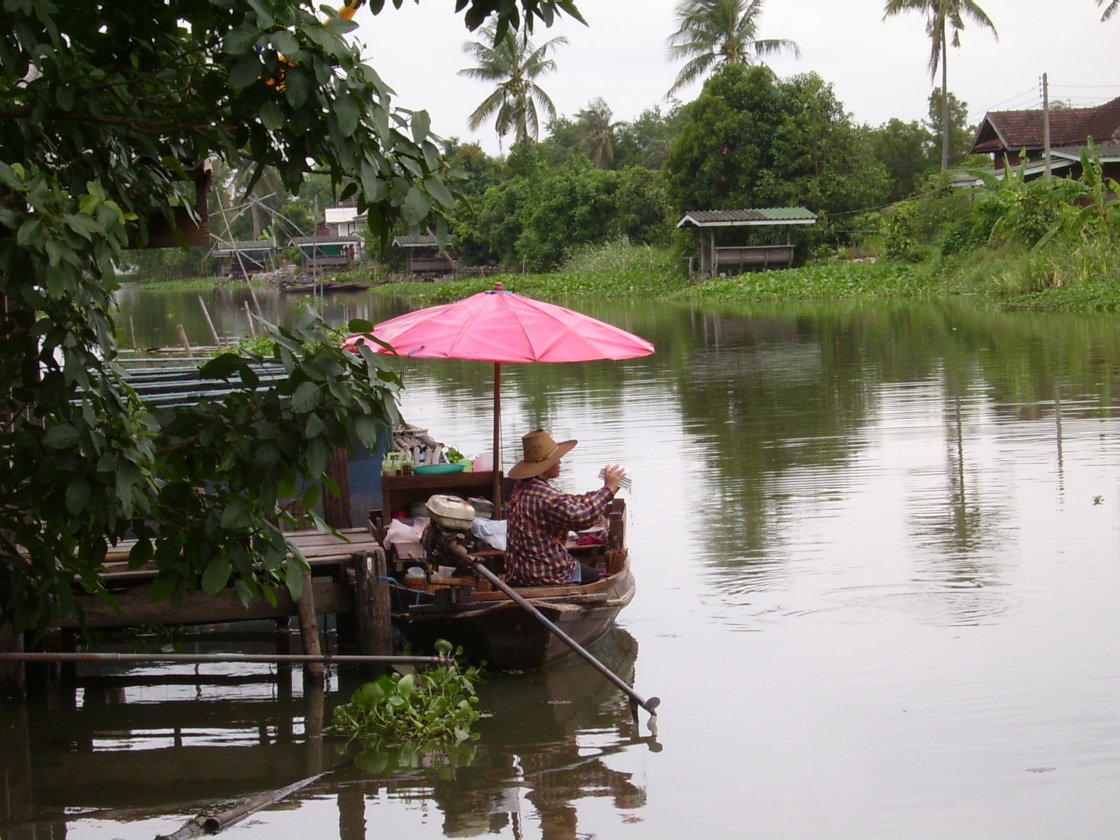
x,y
326,288
492,628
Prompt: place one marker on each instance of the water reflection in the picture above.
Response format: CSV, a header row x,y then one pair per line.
x,y
546,750
911,507
144,745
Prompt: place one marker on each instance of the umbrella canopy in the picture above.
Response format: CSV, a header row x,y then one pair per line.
x,y
499,326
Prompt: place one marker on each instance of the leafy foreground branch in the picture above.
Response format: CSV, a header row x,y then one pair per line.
x,y
404,720
111,111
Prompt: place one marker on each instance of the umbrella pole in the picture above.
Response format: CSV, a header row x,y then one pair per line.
x,y
496,460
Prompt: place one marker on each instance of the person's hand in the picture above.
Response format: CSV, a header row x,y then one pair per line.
x,y
613,475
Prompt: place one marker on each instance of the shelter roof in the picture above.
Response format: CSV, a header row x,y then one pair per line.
x,y
325,240
424,240
756,216
229,249
1002,131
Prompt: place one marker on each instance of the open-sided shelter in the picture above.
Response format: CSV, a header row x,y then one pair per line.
x,y
423,254
327,253
736,259
240,259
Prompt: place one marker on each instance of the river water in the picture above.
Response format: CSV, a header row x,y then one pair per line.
x,y
878,566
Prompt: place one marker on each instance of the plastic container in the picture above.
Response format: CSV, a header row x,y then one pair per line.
x,y
397,463
438,469
414,578
484,462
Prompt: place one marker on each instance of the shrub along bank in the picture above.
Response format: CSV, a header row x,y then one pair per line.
x,y
1016,243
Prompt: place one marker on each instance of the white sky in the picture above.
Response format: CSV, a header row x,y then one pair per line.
x,y
878,69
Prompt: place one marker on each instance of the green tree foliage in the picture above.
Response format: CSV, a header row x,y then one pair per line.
x,y
645,142
913,229
908,154
961,134
751,140
711,32
578,205
597,129
172,263
540,214
511,63
944,23
103,110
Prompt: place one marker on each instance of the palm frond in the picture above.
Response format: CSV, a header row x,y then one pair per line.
x,y
714,31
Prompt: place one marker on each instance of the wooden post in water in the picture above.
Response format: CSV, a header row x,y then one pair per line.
x,y
13,675
309,630
17,803
336,509
371,603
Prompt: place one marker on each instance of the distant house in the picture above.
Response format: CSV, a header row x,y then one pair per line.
x,y
240,259
1011,137
736,259
344,220
423,254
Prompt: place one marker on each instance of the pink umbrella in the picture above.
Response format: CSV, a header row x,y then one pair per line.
x,y
499,326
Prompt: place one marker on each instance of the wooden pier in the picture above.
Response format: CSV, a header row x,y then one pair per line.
x,y
347,579
332,576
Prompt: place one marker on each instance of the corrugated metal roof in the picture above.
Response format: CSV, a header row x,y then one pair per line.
x,y
1108,152
324,240
225,249
754,216
427,240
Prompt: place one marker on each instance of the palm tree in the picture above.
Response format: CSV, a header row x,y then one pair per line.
x,y
1111,10
942,16
598,132
713,31
512,62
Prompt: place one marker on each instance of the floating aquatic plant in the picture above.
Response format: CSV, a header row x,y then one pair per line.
x,y
430,709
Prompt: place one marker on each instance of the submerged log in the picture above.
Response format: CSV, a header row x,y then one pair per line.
x,y
212,824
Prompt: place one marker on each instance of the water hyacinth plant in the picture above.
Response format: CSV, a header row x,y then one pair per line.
x,y
430,710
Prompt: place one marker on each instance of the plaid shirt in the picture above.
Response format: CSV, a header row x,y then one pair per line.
x,y
540,517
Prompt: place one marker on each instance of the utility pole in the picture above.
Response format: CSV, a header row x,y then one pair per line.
x,y
1046,123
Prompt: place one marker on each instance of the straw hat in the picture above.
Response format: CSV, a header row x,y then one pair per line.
x,y
541,452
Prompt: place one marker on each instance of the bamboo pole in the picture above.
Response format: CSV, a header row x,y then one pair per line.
x,y
636,700
213,331
186,343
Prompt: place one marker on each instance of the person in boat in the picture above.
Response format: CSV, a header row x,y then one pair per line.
x,y
540,516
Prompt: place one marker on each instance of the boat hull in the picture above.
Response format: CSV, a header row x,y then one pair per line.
x,y
492,629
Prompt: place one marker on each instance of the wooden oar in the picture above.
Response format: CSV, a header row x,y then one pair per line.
x,y
636,699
